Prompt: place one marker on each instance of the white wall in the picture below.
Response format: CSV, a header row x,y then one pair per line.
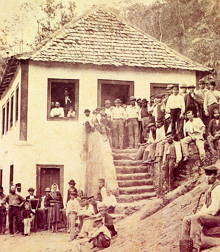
x,y
60,142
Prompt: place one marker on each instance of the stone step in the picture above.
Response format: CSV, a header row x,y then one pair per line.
x,y
136,189
135,197
123,156
124,151
135,176
127,162
131,169
130,183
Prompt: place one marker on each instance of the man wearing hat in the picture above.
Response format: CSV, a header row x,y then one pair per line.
x,y
190,100
194,129
31,194
118,119
176,107
211,100
183,90
208,215
72,188
199,97
132,122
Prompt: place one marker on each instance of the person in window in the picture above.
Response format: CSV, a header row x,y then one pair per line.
x,y
71,113
66,102
57,111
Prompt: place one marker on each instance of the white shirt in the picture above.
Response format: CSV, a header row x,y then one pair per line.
x,y
110,201
72,206
103,193
175,101
103,229
57,112
215,205
118,113
108,112
195,127
132,112
211,97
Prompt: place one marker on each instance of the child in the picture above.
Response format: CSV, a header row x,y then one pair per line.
x,y
27,215
101,195
110,201
107,220
72,208
100,237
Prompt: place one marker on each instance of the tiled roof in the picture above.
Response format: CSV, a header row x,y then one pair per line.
x,y
100,38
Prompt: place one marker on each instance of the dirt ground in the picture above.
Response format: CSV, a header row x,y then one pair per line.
x,y
157,233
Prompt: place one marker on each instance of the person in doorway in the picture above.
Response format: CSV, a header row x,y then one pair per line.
x,y
208,215
132,122
176,107
15,202
3,212
42,213
118,119
56,204
194,129
57,111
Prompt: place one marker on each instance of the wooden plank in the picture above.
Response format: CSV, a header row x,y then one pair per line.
x,y
24,100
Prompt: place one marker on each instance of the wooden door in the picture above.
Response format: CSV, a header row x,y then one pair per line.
x,y
47,175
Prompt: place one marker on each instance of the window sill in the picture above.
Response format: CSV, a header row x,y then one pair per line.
x,y
62,119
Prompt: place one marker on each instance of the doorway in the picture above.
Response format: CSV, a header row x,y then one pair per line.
x,y
47,175
113,89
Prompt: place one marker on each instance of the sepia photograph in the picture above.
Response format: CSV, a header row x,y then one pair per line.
x,y
110,125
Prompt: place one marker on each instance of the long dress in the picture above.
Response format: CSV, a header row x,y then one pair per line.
x,y
99,160
56,203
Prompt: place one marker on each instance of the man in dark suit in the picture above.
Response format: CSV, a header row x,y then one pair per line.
x,y
66,102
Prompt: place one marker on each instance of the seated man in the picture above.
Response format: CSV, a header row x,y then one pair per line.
x,y
214,131
208,215
101,236
194,129
57,111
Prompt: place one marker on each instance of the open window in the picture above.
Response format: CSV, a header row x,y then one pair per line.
x,y
63,99
113,89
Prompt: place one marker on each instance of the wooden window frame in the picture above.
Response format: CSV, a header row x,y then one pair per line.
x,y
7,115
11,176
3,119
76,83
17,103
11,120
113,82
160,85
38,172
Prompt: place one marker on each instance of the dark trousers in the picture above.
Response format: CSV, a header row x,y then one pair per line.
x,y
14,217
101,241
175,121
2,221
112,230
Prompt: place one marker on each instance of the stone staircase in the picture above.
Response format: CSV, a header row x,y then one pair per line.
x,y
135,183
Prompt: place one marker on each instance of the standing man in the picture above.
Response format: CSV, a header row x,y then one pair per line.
x,y
144,115
211,100
2,211
208,215
108,112
194,129
71,189
200,96
15,202
66,102
214,131
118,119
132,123
190,100
183,90
176,107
